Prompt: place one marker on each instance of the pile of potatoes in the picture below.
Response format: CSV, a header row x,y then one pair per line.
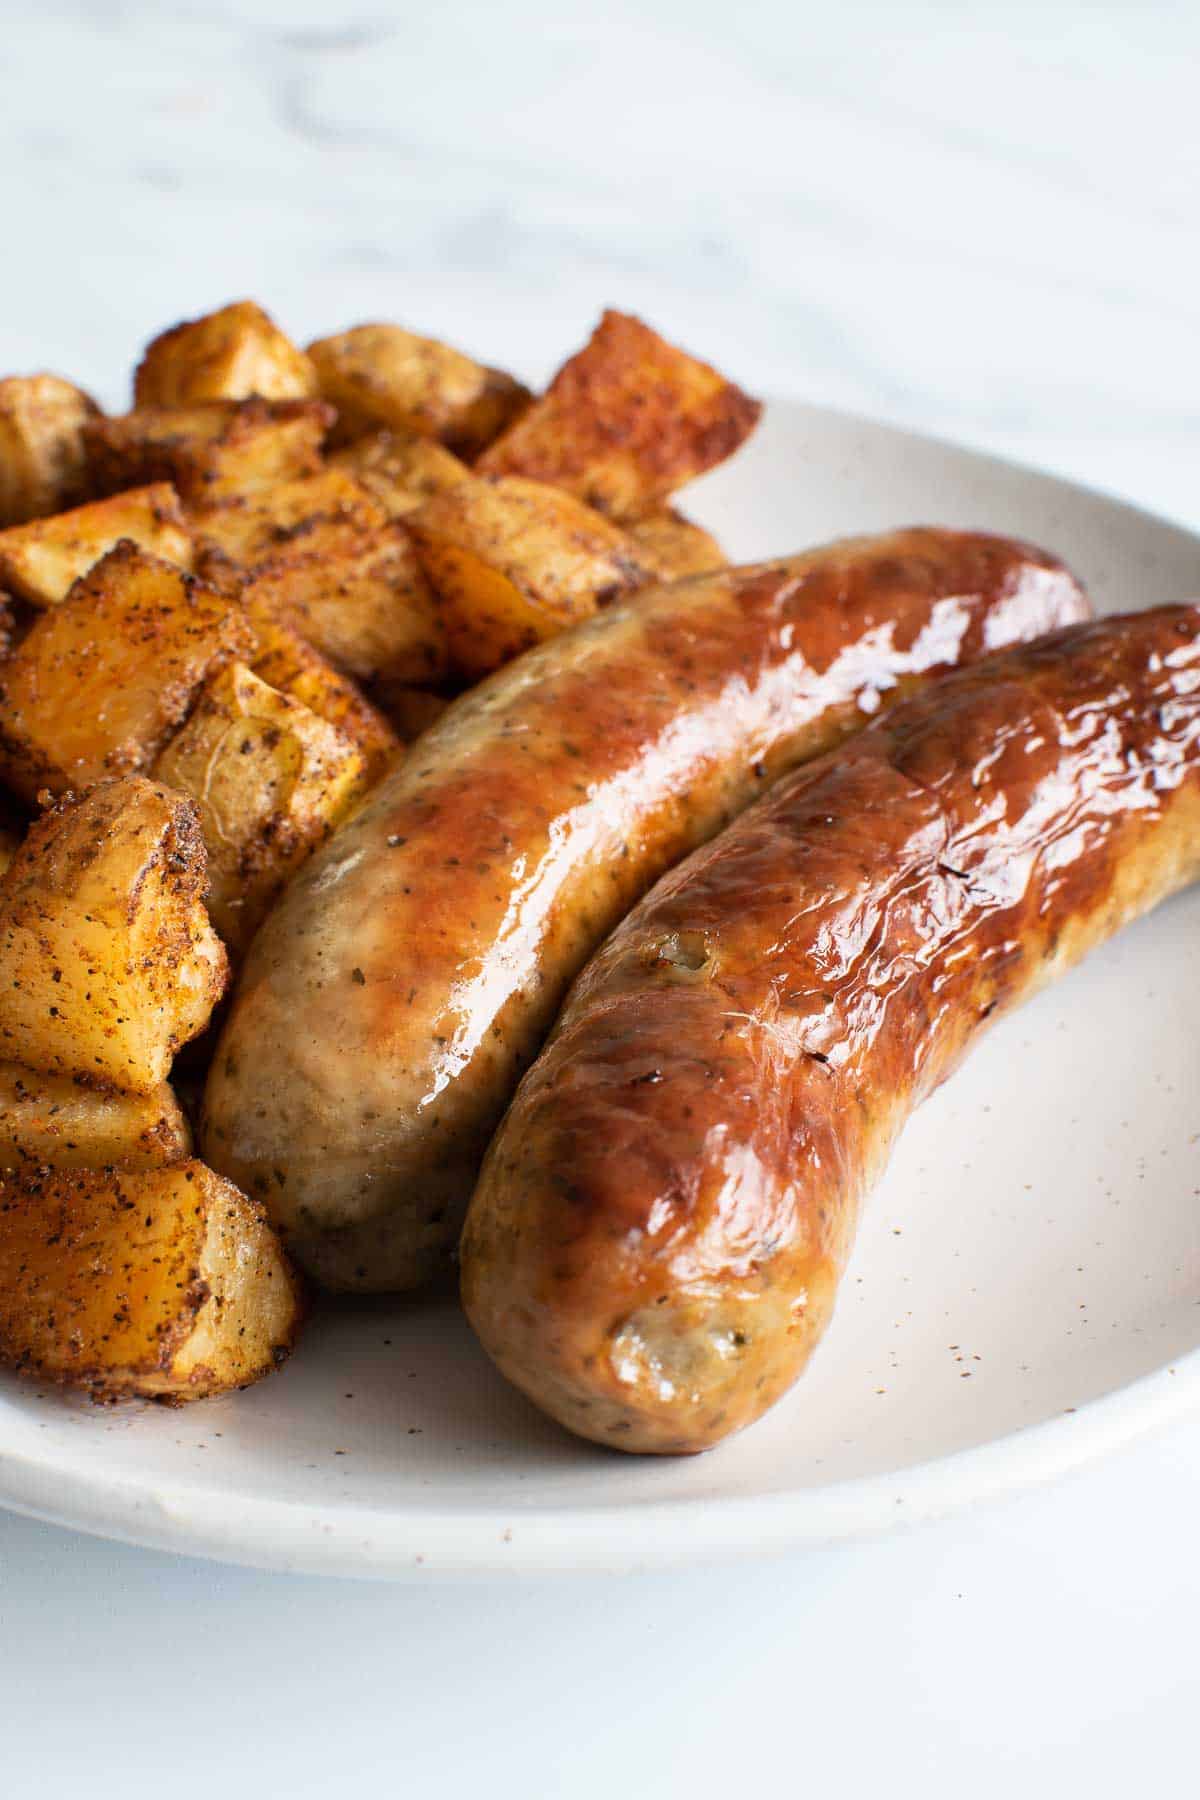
x,y
223,616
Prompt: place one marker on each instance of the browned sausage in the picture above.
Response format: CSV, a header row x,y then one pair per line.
x,y
387,1009
659,1230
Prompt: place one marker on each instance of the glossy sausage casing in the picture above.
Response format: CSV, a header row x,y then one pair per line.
x,y
658,1233
390,1003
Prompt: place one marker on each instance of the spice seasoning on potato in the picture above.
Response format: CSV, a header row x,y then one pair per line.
x,y
514,562
54,1119
211,450
41,561
271,780
229,354
383,375
43,463
322,556
164,1284
625,422
102,678
108,962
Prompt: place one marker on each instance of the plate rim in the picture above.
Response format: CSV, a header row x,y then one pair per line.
x,y
414,1542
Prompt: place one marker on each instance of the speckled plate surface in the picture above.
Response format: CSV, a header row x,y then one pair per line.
x,y
1025,1293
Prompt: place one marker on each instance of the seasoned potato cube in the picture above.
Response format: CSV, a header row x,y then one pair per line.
x,y
43,466
625,422
108,962
209,451
411,710
226,355
285,661
103,677
42,560
383,375
368,608
400,470
51,1119
271,781
513,562
253,527
322,557
673,547
164,1284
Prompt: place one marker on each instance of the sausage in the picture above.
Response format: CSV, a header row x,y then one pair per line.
x,y
658,1233
390,1004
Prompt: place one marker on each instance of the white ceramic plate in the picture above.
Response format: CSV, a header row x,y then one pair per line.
x,y
1025,1292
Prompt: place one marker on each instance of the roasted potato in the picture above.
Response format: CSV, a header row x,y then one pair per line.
x,y
322,556
40,561
625,422
101,680
163,1284
226,355
108,962
402,471
285,661
383,375
43,466
513,562
673,547
52,1119
271,781
209,451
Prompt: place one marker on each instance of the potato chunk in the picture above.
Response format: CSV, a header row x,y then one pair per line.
x,y
42,560
400,470
108,962
49,1119
271,781
322,556
625,422
43,466
103,677
226,355
209,451
383,375
164,1284
513,562
285,661
673,547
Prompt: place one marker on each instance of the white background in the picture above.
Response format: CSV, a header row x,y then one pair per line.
x,y
980,220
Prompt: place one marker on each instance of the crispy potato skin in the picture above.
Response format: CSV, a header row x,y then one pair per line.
x,y
41,562
104,677
164,1284
285,661
211,451
407,977
673,547
50,1119
108,963
383,376
514,562
322,557
43,465
230,354
271,780
625,422
655,1244
400,469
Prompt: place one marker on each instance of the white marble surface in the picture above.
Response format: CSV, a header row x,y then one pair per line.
x,y
977,219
